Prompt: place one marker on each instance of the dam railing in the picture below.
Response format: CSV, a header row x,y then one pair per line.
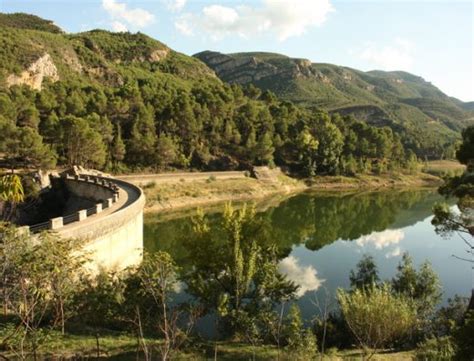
x,y
82,214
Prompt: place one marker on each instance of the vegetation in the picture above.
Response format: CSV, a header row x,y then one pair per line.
x,y
128,102
448,222
426,119
376,316
240,290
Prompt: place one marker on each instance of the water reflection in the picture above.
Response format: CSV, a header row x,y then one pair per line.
x,y
314,220
321,237
306,277
382,239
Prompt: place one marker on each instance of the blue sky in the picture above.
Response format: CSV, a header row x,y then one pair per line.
x,y
433,39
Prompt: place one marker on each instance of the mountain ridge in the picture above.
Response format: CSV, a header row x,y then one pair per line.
x,y
339,88
134,79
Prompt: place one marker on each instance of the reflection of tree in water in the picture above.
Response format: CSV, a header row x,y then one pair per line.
x,y
316,220
322,219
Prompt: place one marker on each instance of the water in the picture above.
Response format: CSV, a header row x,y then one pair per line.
x,y
323,236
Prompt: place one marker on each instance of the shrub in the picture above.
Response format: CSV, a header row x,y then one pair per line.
x,y
376,316
463,338
435,349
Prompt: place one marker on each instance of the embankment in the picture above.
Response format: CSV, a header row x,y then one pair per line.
x,y
178,191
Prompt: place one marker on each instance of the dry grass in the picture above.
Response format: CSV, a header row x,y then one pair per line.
x,y
186,193
443,168
376,181
183,194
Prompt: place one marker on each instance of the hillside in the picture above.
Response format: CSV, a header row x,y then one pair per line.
x,y
27,21
397,99
125,102
93,56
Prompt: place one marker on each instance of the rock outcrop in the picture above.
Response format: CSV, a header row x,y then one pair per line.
x,y
248,69
158,55
42,68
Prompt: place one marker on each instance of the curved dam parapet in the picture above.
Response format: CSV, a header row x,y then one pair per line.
x,y
112,229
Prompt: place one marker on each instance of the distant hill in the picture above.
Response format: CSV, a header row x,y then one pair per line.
x,y
137,103
93,56
397,98
27,21
468,106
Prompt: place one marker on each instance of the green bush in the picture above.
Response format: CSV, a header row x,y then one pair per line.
x,y
436,349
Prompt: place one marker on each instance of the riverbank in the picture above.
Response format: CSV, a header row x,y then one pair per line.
x,y
186,193
179,193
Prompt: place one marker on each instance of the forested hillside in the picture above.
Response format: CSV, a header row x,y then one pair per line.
x,y
427,119
121,101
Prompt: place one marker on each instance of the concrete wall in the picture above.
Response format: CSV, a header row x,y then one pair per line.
x,y
113,239
88,190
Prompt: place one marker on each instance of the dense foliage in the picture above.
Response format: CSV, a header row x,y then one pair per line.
x,y
149,123
426,119
376,316
126,101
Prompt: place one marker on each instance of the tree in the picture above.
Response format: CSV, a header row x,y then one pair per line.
x,y
142,141
157,277
465,153
330,148
366,274
38,278
293,330
307,146
166,151
11,192
422,286
463,338
264,150
83,144
118,146
376,316
446,221
300,342
11,189
24,147
242,280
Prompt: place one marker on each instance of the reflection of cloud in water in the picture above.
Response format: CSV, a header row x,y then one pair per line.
x,y
394,253
304,276
382,239
179,287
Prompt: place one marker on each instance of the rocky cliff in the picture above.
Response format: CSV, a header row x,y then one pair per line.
x,y
40,69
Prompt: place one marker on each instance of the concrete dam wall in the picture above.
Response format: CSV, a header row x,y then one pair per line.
x,y
112,230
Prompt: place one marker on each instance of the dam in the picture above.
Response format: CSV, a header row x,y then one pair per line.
x,y
112,229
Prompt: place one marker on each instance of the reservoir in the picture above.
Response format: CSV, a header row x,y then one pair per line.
x,y
322,236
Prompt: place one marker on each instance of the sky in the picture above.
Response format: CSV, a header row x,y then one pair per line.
x,y
432,39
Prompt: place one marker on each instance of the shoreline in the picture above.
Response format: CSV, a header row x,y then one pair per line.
x,y
181,195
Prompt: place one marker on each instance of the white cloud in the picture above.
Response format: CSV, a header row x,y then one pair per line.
x,y
304,276
396,252
175,5
118,26
381,239
284,19
396,56
120,12
183,25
